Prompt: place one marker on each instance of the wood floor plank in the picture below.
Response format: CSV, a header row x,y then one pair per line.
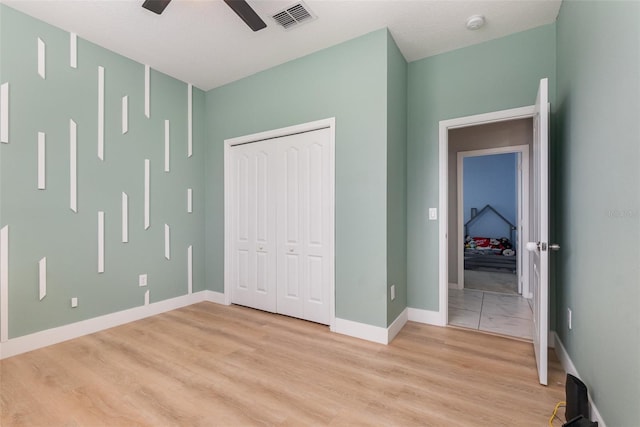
x,y
212,365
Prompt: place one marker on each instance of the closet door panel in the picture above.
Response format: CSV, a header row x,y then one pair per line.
x,y
316,210
304,205
254,275
289,230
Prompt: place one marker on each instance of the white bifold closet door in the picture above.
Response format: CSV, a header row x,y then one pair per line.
x,y
282,225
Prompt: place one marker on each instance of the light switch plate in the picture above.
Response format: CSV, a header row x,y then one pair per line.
x,y
142,280
433,214
74,302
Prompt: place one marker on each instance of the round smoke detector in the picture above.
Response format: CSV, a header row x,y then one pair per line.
x,y
474,22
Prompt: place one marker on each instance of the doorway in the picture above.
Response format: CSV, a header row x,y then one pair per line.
x,y
506,137
490,291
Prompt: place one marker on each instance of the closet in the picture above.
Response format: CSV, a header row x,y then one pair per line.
x,y
280,208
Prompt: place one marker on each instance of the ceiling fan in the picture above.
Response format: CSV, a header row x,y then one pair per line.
x,y
240,7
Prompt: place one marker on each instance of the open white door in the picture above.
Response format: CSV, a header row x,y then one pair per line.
x,y
539,247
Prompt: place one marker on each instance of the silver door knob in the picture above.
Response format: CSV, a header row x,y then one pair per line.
x,y
554,247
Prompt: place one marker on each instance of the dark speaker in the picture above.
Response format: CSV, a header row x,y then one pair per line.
x,y
576,398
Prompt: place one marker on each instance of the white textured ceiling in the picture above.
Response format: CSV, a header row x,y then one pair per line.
x,y
203,42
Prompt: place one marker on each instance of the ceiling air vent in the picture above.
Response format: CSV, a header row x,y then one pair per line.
x,y
294,15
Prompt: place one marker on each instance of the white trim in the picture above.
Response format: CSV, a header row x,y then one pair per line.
x,y
189,120
427,317
60,334
215,297
361,330
42,184
277,133
396,326
125,217
189,200
371,333
167,151
570,368
522,221
42,278
146,297
73,166
329,123
190,269
101,112
147,188
167,242
41,59
125,114
4,283
73,50
4,113
147,89
100,241
443,149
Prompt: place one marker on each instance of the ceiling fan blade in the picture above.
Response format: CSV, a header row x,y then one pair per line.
x,y
248,15
156,6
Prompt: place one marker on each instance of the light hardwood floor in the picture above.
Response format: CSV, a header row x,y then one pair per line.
x,y
207,365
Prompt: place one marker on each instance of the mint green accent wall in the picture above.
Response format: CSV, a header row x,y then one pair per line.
x,y
396,179
598,200
496,75
348,82
41,223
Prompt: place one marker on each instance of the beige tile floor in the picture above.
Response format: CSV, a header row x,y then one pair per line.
x,y
491,312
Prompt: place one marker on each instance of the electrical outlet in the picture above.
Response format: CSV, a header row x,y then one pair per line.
x,y
74,302
142,280
393,292
433,214
569,318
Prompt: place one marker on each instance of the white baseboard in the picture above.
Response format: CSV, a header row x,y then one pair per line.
x,y
369,332
396,326
23,344
217,297
426,316
570,368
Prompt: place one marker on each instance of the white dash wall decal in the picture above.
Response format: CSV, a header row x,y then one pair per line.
x,y
147,185
73,166
100,242
101,112
190,269
125,114
147,95
4,283
166,146
4,113
73,50
189,200
125,217
41,58
190,120
167,242
41,161
42,270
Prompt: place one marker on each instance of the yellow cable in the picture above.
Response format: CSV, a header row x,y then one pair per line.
x,y
555,411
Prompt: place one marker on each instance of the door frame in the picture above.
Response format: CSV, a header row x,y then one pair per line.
x,y
522,210
329,123
443,147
